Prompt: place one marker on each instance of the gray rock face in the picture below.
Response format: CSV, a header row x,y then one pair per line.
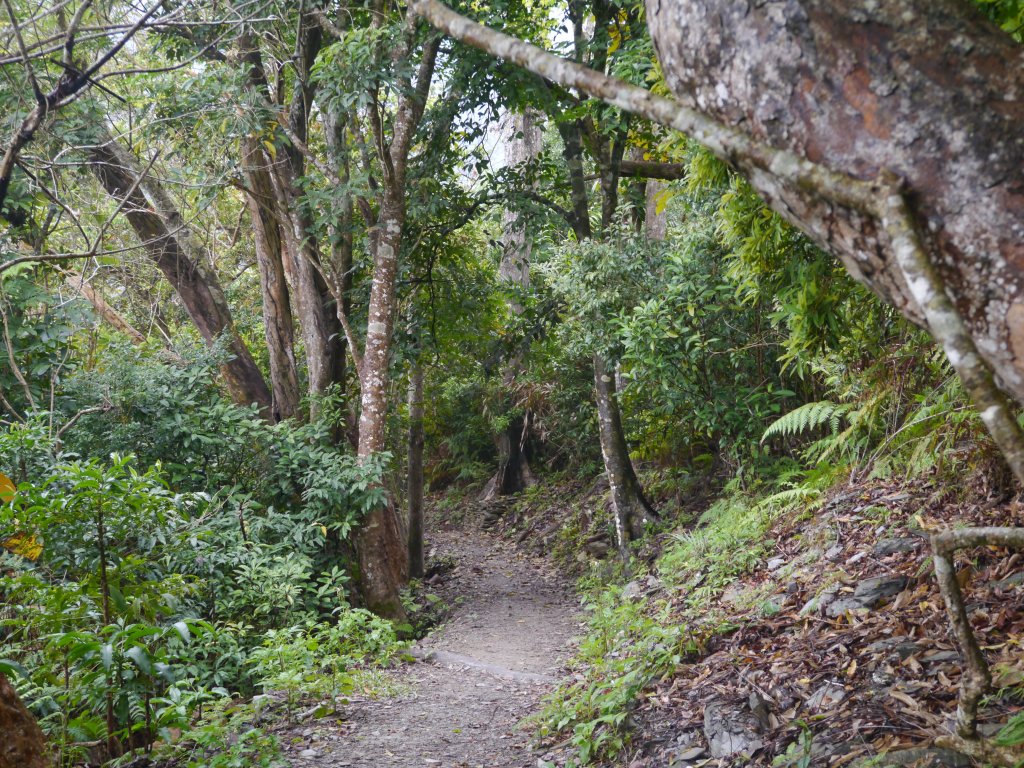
x,y
817,602
869,594
1013,580
873,591
632,591
887,547
731,730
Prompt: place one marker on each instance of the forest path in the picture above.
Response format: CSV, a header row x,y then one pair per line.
x,y
481,673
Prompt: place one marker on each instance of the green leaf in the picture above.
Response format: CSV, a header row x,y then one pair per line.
x,y
12,668
140,656
183,630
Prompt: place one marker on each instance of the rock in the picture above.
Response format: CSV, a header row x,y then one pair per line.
x,y
775,563
734,593
730,731
844,606
653,582
309,754
886,547
920,758
1013,580
834,552
820,600
690,753
598,548
906,650
826,697
871,592
759,708
940,657
885,645
824,751
632,591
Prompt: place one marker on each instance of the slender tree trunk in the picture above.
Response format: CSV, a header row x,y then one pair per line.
x,y
169,243
383,554
22,744
318,324
925,89
277,313
340,267
628,503
415,489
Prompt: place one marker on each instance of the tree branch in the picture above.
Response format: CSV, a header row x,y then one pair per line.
x,y
649,169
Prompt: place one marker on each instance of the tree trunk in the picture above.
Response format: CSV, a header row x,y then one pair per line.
x,y
628,503
655,221
415,488
340,268
314,302
278,326
169,243
383,555
926,89
22,744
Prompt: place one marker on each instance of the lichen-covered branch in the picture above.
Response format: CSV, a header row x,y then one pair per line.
x,y
976,678
947,327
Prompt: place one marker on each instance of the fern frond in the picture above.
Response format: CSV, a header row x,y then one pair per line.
x,y
807,417
791,497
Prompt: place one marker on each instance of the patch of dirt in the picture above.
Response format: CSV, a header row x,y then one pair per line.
x,y
478,676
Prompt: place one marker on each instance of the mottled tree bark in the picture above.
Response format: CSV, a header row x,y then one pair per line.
x,y
22,744
314,303
278,326
170,244
629,506
382,548
925,89
414,490
628,503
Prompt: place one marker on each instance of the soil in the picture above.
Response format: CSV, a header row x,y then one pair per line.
x,y
476,677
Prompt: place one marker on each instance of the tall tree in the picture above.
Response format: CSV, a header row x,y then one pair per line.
x,y
382,547
170,244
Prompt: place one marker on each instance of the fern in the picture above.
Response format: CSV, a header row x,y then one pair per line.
x,y
791,497
807,417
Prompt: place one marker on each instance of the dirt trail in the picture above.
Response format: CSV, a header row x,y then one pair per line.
x,y
480,674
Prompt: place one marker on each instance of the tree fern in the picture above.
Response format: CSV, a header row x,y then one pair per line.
x,y
807,417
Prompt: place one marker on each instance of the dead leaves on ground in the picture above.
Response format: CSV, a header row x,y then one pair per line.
x,y
870,681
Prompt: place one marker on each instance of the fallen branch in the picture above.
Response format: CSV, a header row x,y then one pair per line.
x,y
976,679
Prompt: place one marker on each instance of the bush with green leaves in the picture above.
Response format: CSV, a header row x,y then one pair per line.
x,y
129,604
